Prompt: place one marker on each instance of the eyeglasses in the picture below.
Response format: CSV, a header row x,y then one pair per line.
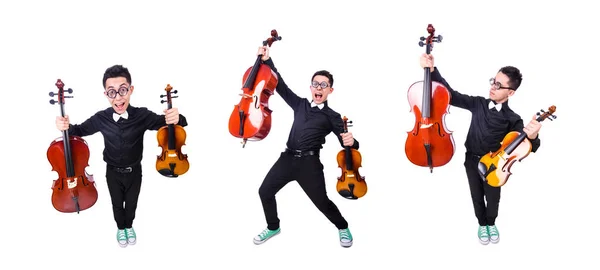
x,y
497,85
112,93
316,84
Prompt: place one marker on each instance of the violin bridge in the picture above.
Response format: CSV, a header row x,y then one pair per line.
x,y
172,155
424,126
350,175
72,183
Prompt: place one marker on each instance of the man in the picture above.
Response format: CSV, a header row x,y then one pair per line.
x,y
491,120
313,121
123,127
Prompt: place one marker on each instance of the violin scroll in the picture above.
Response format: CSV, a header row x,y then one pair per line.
x,y
430,39
274,37
169,90
547,115
61,93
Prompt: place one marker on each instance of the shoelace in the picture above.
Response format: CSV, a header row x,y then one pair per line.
x,y
493,230
130,232
483,231
122,235
344,234
264,233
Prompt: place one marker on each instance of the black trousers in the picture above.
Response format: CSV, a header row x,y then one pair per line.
x,y
124,188
308,172
480,190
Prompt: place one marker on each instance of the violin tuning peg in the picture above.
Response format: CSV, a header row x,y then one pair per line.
x,y
51,94
162,96
162,101
553,116
174,96
421,44
70,90
439,38
52,101
174,91
422,38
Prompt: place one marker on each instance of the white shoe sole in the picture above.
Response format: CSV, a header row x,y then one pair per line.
x,y
495,241
484,242
258,242
346,245
122,245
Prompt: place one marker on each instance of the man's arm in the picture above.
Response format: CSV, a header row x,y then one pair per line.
x,y
88,127
155,121
518,126
456,98
338,129
283,90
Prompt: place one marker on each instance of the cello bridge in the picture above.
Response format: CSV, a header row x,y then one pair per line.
x,y
72,183
423,126
246,95
172,155
350,175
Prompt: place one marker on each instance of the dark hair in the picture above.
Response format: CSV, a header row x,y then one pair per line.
x,y
114,72
326,74
514,76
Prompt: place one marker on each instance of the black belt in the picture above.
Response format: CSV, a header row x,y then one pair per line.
x,y
301,153
121,170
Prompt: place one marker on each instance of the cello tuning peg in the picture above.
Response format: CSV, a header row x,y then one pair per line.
x,y
174,91
553,116
51,94
439,38
70,90
52,101
174,96
421,44
162,96
422,38
162,101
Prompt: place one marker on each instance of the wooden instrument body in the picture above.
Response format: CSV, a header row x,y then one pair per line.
x,y
171,138
495,167
172,162
251,117
74,190
350,185
430,143
432,129
66,187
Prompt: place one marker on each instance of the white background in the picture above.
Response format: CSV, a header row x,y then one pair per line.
x,y
206,219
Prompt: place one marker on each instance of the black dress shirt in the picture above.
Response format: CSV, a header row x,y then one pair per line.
x,y
311,123
488,126
123,140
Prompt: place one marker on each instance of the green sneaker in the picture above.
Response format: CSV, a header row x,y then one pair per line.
x,y
265,235
345,238
130,236
494,234
122,238
483,234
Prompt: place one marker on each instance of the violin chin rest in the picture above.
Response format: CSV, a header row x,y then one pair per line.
x,y
167,173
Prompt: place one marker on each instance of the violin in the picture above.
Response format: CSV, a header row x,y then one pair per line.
x,y
171,162
494,168
251,117
75,189
430,143
351,185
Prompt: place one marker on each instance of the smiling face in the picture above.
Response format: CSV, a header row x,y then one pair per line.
x,y
320,88
118,91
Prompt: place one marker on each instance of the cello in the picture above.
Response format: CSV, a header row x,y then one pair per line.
x,y
75,189
494,168
351,185
430,143
171,162
251,117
